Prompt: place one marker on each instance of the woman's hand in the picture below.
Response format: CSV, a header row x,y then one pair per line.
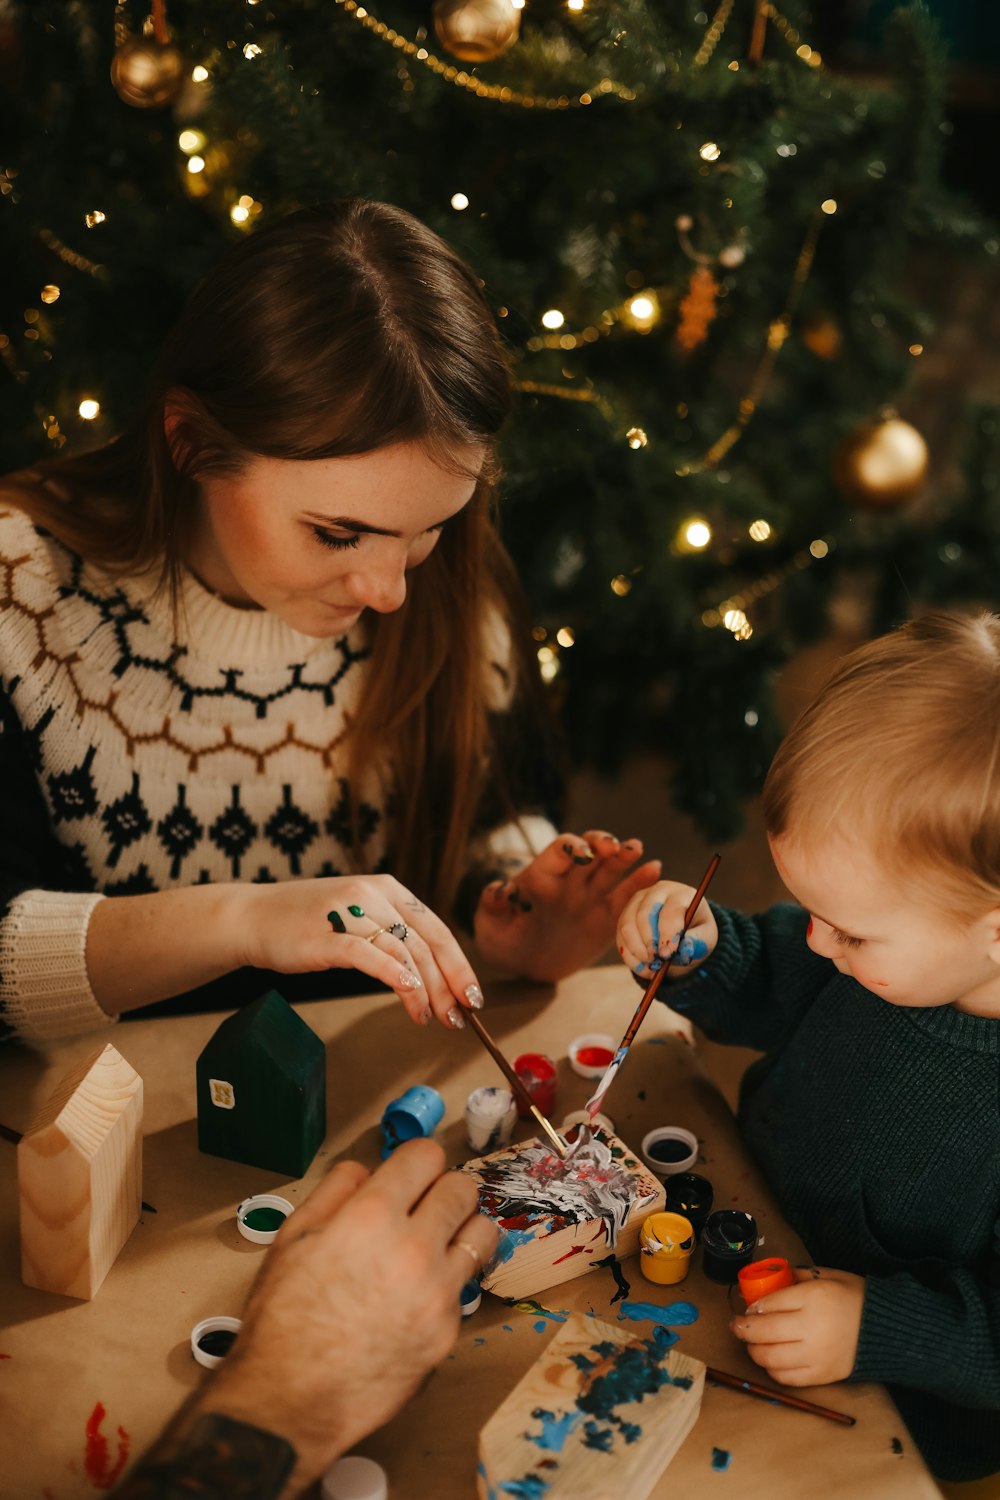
x,y
558,915
649,929
365,922
806,1334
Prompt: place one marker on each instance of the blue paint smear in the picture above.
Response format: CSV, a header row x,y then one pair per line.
x,y
507,1328
690,949
509,1242
491,1493
480,1341
721,1459
638,1371
540,1326
630,1431
678,1314
555,1430
529,1305
597,1437
528,1488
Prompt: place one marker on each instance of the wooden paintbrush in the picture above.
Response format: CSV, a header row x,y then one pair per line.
x,y
516,1083
597,1098
783,1398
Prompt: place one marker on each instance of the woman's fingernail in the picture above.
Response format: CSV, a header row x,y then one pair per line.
x,y
474,995
567,848
455,1018
584,859
409,981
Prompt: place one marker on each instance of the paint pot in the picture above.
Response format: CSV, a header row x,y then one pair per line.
x,y
490,1117
729,1240
259,1218
212,1339
469,1298
763,1276
692,1196
355,1478
591,1055
666,1243
415,1113
578,1117
669,1149
538,1074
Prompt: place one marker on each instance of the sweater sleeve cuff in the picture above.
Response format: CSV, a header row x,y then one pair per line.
x,y
900,1341
44,986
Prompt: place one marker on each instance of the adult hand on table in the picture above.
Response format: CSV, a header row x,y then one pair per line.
x,y
370,923
357,1301
559,913
806,1334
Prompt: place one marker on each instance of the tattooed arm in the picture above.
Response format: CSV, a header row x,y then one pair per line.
x,y
367,1273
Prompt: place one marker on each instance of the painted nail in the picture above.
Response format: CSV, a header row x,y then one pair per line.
x,y
455,1018
336,921
567,848
525,906
356,911
474,995
409,981
584,859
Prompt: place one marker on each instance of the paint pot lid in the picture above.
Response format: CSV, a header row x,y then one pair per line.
x,y
268,1205
655,1141
355,1478
596,1042
469,1298
225,1331
763,1276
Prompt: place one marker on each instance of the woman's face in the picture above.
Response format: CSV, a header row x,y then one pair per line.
x,y
318,541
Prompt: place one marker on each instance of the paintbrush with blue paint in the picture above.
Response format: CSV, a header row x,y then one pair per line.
x,y
597,1098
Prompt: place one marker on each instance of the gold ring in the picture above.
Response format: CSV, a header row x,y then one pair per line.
x,y
373,935
471,1251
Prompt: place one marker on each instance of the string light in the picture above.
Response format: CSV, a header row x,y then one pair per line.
x,y
251,50
50,293
459,201
759,531
732,612
621,585
196,164
553,318
199,74
94,218
636,437
239,213
191,141
828,206
89,408
709,151
565,636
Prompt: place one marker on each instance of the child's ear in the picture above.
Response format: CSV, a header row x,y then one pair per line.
x,y
175,413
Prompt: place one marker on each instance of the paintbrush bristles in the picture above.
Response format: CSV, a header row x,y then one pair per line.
x,y
516,1083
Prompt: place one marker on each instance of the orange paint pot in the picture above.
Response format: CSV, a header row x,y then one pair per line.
x,y
763,1276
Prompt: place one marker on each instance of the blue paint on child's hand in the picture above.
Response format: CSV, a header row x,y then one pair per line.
x,y
690,949
654,925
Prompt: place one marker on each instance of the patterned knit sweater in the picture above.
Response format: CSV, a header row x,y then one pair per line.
x,y
131,761
878,1128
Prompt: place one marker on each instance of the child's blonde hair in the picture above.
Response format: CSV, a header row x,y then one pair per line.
x,y
901,749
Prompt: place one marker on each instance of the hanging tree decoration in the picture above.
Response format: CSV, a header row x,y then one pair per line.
x,y
882,464
147,71
476,31
697,309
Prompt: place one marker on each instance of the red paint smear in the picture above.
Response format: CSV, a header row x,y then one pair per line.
x,y
6,1356
576,1250
95,1459
594,1057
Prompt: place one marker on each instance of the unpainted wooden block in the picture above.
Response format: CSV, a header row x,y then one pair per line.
x,y
79,1174
598,1416
558,1221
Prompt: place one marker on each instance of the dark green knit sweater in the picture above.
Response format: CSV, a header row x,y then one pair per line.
x,y
878,1127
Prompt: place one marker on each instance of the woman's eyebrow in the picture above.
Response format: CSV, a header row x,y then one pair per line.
x,y
347,524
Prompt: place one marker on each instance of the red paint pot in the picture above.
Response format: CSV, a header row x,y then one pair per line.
x,y
538,1074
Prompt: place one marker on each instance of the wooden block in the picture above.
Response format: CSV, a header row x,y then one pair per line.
x,y
597,1417
558,1223
261,1084
79,1176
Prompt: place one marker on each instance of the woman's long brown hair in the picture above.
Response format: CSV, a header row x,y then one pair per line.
x,y
339,330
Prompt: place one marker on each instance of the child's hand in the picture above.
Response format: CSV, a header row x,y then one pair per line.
x,y
650,926
806,1334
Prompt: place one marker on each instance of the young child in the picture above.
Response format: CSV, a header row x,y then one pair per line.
x,y
876,1002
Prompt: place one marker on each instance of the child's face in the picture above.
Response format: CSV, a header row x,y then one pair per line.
x,y
319,542
888,935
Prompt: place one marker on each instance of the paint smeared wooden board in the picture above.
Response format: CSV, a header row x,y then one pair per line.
x,y
556,1228
597,1417
79,1174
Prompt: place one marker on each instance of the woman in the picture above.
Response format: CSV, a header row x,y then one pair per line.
x,y
229,709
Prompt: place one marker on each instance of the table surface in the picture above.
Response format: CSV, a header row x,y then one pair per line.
x,y
83,1384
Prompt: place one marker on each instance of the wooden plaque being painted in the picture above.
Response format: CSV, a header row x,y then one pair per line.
x,y
556,1225
597,1417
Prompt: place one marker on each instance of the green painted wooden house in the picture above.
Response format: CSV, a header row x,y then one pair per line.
x,y
262,1088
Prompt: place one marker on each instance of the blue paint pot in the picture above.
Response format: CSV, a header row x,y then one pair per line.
x,y
469,1298
415,1113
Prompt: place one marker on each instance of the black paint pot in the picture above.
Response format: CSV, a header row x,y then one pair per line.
x,y
729,1240
692,1196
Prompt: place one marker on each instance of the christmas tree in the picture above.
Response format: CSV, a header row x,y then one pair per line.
x,y
694,235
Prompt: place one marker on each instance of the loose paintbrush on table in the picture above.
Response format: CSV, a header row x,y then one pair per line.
x,y
515,1082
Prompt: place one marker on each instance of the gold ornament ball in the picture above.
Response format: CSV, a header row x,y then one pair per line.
x,y
146,73
882,464
822,337
476,30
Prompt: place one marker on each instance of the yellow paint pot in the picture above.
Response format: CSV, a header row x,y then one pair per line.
x,y
665,1245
